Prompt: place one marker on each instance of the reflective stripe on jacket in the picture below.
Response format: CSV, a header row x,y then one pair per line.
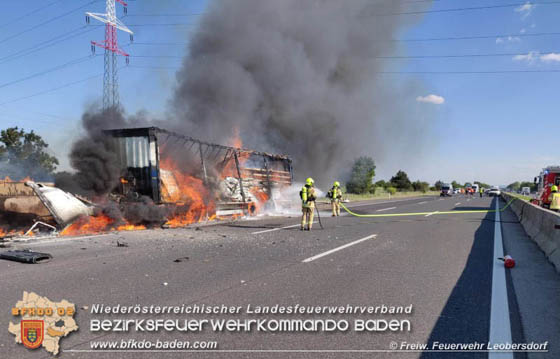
x,y
307,196
555,202
336,192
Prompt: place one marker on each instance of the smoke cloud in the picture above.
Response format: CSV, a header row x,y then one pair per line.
x,y
300,78
93,156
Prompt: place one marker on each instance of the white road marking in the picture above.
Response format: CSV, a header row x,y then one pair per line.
x,y
441,199
374,203
458,203
278,228
310,259
385,209
422,202
500,327
64,239
429,214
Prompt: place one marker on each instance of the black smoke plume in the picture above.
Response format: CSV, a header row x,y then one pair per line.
x,y
298,77
93,156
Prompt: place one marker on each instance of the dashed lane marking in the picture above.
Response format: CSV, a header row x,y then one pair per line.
x,y
278,228
385,209
310,259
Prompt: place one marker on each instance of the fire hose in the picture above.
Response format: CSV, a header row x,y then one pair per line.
x,y
318,216
425,213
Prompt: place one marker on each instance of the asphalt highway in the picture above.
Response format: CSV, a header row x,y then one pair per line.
x,y
440,264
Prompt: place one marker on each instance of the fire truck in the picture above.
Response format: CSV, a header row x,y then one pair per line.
x,y
548,177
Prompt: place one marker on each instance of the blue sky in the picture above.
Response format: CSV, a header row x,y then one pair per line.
x,y
493,127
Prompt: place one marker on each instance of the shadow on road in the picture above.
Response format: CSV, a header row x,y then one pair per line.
x,y
466,315
464,208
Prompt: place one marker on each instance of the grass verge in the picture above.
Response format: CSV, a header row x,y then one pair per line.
x,y
520,196
382,195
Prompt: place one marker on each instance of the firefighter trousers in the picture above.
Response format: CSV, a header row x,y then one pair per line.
x,y
307,217
335,207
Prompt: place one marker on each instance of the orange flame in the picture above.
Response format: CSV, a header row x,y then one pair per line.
x,y
5,233
261,197
92,225
235,141
193,199
9,180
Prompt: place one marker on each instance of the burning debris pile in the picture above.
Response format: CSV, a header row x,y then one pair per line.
x,y
157,178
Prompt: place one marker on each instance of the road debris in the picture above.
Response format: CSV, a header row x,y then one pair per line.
x,y
121,244
26,256
509,262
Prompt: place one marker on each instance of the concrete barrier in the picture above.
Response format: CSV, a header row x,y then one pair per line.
x,y
540,225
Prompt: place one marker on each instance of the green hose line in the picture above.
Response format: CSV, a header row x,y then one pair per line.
x,y
425,213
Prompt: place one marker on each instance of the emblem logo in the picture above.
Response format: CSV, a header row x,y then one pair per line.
x,y
32,333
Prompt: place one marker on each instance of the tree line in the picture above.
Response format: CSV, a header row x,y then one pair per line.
x,y
361,180
516,186
24,154
363,172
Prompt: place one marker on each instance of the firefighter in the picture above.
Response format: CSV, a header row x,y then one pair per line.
x,y
481,191
307,195
554,198
335,194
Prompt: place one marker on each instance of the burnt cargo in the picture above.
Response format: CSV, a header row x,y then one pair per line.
x,y
155,161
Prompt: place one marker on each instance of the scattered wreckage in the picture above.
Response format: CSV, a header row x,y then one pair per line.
x,y
41,204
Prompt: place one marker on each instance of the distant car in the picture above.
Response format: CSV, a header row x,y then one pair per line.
x,y
526,191
456,191
494,191
446,190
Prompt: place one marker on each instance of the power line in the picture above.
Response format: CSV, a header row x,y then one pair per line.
x,y
30,13
454,56
466,72
159,56
389,57
176,68
153,67
52,89
160,43
166,15
403,72
45,44
448,38
479,37
487,7
163,24
45,22
56,68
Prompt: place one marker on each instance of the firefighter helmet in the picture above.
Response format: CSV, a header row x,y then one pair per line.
x,y
309,181
336,184
554,188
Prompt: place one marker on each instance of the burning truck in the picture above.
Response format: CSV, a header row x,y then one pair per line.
x,y
170,179
211,180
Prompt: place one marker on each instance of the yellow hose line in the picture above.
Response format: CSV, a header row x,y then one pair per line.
x,y
425,213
